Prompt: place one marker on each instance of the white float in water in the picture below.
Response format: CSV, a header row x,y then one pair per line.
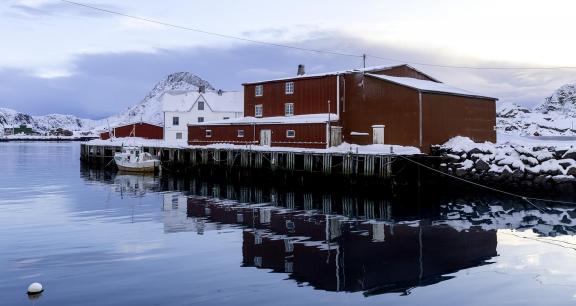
x,y
35,288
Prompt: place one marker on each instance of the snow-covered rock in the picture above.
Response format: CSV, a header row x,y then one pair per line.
x,y
556,116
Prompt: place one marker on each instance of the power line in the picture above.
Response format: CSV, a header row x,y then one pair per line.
x,y
208,32
363,56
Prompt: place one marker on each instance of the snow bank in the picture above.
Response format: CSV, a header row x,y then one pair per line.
x,y
375,149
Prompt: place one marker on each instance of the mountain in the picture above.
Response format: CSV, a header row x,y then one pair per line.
x,y
148,110
556,116
42,124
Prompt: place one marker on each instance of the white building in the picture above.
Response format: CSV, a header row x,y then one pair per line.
x,y
183,108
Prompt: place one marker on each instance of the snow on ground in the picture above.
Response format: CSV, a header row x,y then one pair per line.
x,y
375,149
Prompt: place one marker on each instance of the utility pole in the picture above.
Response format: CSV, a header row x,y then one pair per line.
x,y
364,60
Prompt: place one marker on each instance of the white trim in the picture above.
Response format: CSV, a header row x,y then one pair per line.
x,y
291,92
208,134
238,133
286,108
261,107
294,133
259,93
420,116
338,95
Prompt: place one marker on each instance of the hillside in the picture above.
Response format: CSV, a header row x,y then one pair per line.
x,y
149,109
556,116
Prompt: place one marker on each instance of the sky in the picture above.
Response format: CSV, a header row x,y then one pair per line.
x,y
62,58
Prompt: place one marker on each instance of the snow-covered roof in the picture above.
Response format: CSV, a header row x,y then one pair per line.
x,y
183,101
359,70
428,86
310,118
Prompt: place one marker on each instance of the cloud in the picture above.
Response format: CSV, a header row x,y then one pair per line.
x,y
104,84
41,8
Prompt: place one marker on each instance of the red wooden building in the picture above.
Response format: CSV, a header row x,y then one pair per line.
x,y
392,105
140,129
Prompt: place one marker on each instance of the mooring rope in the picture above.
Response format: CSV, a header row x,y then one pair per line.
x,y
525,198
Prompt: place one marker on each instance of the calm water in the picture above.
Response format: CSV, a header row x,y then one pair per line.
x,y
97,238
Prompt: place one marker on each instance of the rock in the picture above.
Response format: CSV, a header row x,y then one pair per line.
x,y
571,154
571,171
452,157
540,179
461,172
566,163
563,178
481,165
529,160
476,151
518,173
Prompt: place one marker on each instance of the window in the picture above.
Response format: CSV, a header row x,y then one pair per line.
x,y
200,105
290,133
208,133
240,133
226,118
175,120
200,119
259,90
178,135
288,109
289,88
258,110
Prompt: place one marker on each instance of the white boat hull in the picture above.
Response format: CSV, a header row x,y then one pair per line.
x,y
147,166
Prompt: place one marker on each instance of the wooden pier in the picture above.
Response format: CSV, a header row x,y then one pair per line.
x,y
349,166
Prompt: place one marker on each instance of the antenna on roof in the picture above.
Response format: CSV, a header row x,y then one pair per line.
x,y
364,60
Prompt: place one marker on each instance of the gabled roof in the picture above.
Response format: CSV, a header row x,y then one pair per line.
x,y
183,101
372,69
428,86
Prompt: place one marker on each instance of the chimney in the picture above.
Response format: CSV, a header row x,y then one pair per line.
x,y
301,70
219,92
202,89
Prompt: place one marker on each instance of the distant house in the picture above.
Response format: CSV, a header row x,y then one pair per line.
x,y
140,129
397,105
22,129
183,108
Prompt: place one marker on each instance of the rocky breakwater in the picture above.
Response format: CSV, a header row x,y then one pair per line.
x,y
509,164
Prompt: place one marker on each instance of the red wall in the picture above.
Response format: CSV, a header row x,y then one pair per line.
x,y
310,96
309,135
144,130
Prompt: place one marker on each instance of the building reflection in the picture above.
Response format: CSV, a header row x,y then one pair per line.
x,y
337,253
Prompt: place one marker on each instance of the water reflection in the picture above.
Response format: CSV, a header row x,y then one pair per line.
x,y
339,242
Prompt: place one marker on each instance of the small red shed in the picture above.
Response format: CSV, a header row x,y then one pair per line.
x,y
140,129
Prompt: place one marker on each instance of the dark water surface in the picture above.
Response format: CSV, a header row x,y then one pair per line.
x,y
99,238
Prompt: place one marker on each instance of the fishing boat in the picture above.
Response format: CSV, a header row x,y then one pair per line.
x,y
134,159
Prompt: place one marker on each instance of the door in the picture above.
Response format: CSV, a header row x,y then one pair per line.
x,y
265,138
378,134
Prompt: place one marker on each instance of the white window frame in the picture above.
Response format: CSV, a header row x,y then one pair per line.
x,y
200,103
288,109
200,119
179,135
240,134
289,88
208,133
175,119
258,110
288,132
259,90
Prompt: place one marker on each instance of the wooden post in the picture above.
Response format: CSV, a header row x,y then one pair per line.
x,y
308,162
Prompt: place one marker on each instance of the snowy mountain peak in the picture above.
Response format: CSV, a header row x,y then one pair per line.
x,y
150,108
563,101
183,81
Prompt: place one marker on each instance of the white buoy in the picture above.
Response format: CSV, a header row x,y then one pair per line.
x,y
35,288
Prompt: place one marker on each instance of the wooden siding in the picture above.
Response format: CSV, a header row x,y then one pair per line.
x,y
446,116
404,71
144,130
310,96
378,102
309,135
